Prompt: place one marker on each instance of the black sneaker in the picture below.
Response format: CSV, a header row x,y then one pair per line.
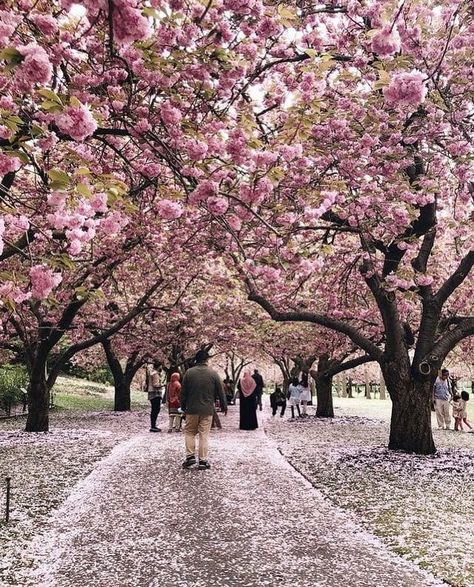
x,y
189,462
203,465
154,429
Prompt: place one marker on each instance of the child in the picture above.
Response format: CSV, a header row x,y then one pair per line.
x,y
463,409
456,403
294,393
173,396
305,393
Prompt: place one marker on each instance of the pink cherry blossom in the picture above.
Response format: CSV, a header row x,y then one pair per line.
x,y
197,150
2,232
113,223
57,199
77,122
129,24
5,132
36,67
8,164
46,23
217,205
169,114
8,23
99,202
169,209
386,42
43,281
206,189
234,222
406,90
286,218
424,280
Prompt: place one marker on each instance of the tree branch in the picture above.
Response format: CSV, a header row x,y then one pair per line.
x,y
455,280
331,323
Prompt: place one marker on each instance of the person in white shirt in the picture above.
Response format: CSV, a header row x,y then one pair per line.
x,y
294,393
305,396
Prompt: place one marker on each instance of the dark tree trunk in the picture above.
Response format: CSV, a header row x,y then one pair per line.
x,y
38,400
122,398
122,401
324,407
349,388
410,425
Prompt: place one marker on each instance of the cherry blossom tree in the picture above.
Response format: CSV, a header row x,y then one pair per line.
x,y
323,149
371,227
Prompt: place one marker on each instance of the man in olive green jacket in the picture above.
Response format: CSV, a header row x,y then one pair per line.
x,y
200,388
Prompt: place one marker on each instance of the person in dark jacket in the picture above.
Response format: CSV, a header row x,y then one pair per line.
x,y
200,388
277,398
259,387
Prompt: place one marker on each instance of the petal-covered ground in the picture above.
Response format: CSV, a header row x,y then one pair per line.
x,y
422,507
138,519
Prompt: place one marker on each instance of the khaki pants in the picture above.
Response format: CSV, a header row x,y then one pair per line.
x,y
443,416
197,424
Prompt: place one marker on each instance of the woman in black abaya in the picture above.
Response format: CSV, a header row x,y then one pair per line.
x,y
248,402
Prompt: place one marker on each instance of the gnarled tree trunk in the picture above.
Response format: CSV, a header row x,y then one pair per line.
x,y
38,399
122,395
122,377
324,407
410,424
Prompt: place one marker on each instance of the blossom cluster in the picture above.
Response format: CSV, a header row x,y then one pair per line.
x,y
43,281
77,122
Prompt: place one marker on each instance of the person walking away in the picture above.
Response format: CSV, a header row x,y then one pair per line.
x,y
154,386
294,393
305,396
259,389
229,391
248,402
277,398
173,397
201,385
441,395
463,409
216,421
456,407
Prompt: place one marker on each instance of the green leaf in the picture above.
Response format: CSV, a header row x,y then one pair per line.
x,y
149,11
9,305
81,292
50,96
11,55
67,262
84,190
50,106
36,131
59,179
22,156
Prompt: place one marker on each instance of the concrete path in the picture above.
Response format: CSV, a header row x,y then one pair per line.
x,y
139,520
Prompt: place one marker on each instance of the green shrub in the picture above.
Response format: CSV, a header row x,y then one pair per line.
x,y
12,379
98,375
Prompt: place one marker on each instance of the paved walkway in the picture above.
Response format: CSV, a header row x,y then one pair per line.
x,y
139,520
